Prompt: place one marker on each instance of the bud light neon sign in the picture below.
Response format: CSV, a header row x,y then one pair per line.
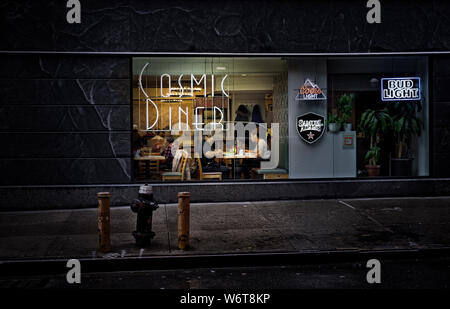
x,y
400,89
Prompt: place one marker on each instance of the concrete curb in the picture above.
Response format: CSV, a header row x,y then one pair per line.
x,y
58,266
83,196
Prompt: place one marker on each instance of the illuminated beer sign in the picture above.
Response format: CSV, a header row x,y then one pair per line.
x,y
310,91
310,127
400,89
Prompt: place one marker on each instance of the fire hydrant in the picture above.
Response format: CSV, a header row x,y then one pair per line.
x,y
144,206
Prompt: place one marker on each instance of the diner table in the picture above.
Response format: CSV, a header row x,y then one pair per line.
x,y
237,156
147,160
150,158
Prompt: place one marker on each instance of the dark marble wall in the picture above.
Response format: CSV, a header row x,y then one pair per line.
x,y
64,119
441,117
225,26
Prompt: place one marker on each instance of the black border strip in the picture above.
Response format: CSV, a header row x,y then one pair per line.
x,y
205,54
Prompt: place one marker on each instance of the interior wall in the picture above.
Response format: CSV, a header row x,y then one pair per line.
x,y
280,116
315,160
249,99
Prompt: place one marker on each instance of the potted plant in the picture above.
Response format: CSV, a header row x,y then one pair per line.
x,y
345,109
333,122
373,123
405,126
373,157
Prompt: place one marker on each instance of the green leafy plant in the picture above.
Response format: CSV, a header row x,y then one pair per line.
x,y
405,124
345,106
373,155
373,123
332,118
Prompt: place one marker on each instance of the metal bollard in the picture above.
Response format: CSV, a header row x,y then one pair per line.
x,y
104,241
183,219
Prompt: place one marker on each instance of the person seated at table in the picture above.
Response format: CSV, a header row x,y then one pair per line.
x,y
259,152
261,149
137,139
156,143
209,164
145,151
165,143
148,135
168,153
137,143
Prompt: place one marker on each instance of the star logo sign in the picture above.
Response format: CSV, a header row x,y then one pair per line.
x,y
310,127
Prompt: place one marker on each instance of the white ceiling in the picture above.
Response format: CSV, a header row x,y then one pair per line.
x,y
209,65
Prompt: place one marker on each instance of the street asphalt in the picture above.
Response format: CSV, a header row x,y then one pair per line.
x,y
399,273
230,228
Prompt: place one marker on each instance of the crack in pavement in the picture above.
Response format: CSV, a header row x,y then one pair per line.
x,y
366,215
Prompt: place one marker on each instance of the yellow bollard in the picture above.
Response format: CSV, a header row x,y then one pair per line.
x,y
183,219
104,241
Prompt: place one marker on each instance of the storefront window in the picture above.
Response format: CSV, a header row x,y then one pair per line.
x,y
207,118
384,100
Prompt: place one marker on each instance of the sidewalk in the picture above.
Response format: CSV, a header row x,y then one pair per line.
x,y
245,227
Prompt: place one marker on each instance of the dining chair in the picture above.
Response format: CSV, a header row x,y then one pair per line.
x,y
179,174
207,175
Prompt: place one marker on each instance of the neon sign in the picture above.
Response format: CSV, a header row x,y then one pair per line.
x,y
179,92
310,91
188,91
400,89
